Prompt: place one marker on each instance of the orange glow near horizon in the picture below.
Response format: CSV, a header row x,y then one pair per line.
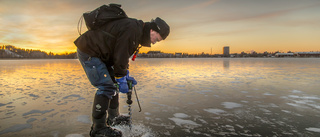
x,y
196,27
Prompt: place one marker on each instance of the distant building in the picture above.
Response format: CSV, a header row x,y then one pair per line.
x,y
298,54
226,51
178,54
307,54
284,55
153,52
156,54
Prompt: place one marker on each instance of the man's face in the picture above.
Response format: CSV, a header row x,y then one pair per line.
x,y
155,37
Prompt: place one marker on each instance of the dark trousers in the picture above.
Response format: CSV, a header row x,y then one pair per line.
x,y
101,77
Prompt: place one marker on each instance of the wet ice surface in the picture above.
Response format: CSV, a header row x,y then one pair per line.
x,y
179,97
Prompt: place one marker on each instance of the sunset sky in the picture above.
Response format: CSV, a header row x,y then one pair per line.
x,y
196,25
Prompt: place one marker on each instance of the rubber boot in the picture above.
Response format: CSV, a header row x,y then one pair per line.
x,y
99,127
114,118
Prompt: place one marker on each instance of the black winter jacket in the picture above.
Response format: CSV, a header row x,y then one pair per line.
x,y
113,51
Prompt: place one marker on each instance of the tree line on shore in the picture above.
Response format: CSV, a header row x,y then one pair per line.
x,y
9,51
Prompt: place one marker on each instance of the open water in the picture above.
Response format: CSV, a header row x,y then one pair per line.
x,y
179,97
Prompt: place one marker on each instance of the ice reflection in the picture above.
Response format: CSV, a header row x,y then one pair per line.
x,y
179,97
38,94
226,64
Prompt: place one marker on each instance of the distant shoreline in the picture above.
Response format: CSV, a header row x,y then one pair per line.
x,y
172,58
34,59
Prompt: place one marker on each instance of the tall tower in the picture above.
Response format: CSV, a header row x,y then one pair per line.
x,y
226,51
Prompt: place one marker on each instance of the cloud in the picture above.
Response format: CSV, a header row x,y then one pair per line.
x,y
247,13
39,24
231,32
195,6
281,12
53,24
258,10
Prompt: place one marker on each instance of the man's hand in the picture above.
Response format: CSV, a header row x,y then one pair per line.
x,y
128,78
123,86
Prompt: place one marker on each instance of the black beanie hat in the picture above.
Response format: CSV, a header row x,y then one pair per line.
x,y
163,27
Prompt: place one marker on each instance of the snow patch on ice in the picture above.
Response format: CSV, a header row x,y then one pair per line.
x,y
231,105
182,122
293,96
311,97
245,92
268,94
296,91
74,135
304,97
265,110
181,115
215,111
286,111
313,129
203,121
314,105
84,119
296,105
244,101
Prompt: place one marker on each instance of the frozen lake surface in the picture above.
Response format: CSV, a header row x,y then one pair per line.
x,y
179,97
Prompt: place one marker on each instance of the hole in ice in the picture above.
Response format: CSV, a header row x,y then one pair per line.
x,y
137,130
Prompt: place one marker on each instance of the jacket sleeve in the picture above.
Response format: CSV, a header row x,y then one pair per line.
x,y
122,51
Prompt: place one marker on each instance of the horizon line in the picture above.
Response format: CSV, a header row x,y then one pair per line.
x,y
74,51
